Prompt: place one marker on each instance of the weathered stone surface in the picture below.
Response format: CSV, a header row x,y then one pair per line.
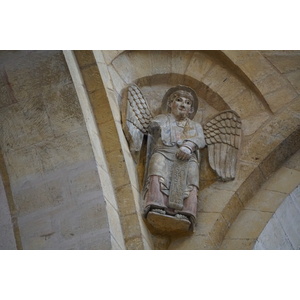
x,y
284,61
91,78
64,150
48,156
284,180
237,244
288,216
199,242
248,225
180,61
166,225
161,62
266,200
280,97
7,238
246,104
294,79
199,65
273,237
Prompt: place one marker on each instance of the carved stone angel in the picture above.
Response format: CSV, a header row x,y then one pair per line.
x,y
173,154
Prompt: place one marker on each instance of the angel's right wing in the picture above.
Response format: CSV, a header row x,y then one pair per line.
x,y
138,118
223,137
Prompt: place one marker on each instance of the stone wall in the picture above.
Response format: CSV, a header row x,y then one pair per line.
x,y
47,155
61,138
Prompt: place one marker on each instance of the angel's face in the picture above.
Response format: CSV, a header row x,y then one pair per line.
x,y
181,107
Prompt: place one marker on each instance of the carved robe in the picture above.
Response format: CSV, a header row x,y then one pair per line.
x,y
168,135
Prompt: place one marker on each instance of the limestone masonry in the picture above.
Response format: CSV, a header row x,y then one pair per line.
x,y
69,179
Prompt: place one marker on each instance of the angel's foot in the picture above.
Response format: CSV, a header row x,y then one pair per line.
x,y
159,211
181,217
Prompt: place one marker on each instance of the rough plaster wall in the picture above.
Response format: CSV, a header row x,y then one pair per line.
x,y
283,230
48,155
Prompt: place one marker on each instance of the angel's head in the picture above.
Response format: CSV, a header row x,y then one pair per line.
x,y
181,104
181,101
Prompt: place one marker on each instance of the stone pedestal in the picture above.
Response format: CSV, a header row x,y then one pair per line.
x,y
168,225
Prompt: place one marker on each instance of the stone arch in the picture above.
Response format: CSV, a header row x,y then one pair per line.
x,y
261,211
221,202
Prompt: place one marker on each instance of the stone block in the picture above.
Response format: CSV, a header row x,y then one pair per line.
x,y
161,62
35,75
213,200
36,198
249,224
294,79
109,136
92,78
199,65
289,217
230,88
6,91
98,240
7,237
216,77
212,224
37,231
115,225
271,83
110,55
281,153
24,124
199,242
83,181
250,186
63,109
180,61
237,244
232,209
295,195
76,220
244,169
115,245
125,198
131,226
253,122
84,57
255,66
22,163
65,150
273,237
246,104
284,61
141,62
284,180
280,97
124,68
117,168
135,243
118,83
293,162
238,57
265,200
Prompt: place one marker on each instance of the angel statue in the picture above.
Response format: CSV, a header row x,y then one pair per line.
x,y
174,140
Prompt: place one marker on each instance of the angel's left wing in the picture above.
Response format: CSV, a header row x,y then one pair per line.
x,y
223,137
137,119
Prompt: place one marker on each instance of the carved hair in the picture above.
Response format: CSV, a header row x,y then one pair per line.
x,y
180,93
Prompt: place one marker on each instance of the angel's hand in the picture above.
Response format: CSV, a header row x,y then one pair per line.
x,y
184,153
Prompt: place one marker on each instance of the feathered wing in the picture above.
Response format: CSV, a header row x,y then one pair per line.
x,y
223,137
138,118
